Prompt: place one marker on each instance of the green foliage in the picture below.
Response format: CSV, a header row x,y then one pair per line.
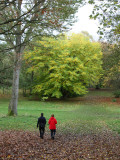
x,y
111,66
26,80
107,12
6,64
113,100
117,94
64,67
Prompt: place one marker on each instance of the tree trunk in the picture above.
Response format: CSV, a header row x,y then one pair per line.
x,y
32,74
12,109
3,90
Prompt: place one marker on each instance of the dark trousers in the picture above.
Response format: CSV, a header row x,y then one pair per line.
x,y
53,131
42,131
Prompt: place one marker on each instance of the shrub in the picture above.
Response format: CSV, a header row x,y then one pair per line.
x,y
113,100
117,94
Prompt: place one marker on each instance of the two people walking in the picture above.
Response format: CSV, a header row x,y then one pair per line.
x,y
52,125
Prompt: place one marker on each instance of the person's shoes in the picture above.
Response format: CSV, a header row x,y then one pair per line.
x,y
52,138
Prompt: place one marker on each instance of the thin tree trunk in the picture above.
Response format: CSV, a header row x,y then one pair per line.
x,y
3,90
32,74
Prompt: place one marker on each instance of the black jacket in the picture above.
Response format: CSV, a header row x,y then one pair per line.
x,y
41,122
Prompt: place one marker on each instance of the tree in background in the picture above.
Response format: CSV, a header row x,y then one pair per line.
x,y
111,66
26,80
6,65
65,66
108,14
22,20
86,34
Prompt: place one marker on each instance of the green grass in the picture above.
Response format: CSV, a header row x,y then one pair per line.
x,y
101,92
71,116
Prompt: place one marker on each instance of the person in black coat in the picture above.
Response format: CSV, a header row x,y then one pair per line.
x,y
41,123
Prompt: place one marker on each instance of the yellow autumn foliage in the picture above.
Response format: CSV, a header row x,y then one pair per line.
x,y
65,67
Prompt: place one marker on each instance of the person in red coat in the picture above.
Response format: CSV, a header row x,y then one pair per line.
x,y
52,126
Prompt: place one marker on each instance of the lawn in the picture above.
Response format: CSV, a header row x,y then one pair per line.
x,y
74,116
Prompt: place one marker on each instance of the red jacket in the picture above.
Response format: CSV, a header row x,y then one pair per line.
x,y
52,123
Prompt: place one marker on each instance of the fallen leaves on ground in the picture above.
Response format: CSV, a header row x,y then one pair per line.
x,y
26,145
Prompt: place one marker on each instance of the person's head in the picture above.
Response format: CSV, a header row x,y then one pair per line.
x,y
41,114
52,115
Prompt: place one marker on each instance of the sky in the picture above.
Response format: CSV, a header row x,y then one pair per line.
x,y
84,23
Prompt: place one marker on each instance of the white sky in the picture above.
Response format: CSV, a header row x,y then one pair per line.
x,y
84,23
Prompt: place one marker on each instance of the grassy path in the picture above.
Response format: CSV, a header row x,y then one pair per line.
x,y
76,116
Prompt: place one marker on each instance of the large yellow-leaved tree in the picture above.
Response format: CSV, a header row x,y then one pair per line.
x,y
64,66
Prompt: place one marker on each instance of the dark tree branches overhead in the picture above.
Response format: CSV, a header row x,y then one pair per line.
x,y
46,16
